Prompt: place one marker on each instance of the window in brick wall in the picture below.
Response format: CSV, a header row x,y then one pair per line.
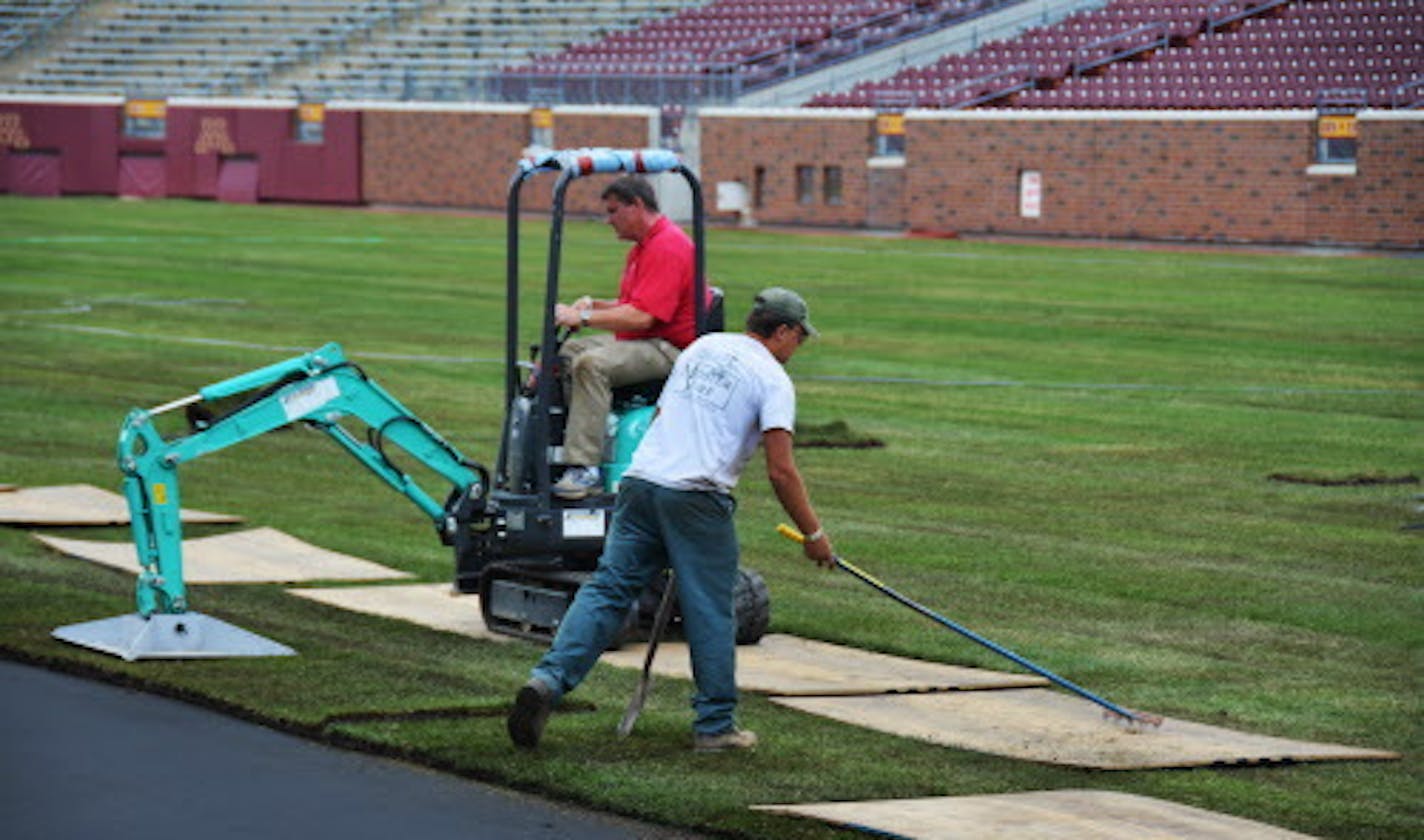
x,y
890,135
890,145
805,184
832,184
1335,138
758,187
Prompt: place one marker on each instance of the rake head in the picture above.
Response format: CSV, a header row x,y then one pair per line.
x,y
1134,722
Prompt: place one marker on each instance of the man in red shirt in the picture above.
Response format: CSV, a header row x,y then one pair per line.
x,y
652,319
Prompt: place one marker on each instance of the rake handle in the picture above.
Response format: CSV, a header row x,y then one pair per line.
x,y
796,536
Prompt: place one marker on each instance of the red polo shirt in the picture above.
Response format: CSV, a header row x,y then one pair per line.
x,y
657,279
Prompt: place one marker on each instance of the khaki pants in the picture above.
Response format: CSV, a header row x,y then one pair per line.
x,y
597,365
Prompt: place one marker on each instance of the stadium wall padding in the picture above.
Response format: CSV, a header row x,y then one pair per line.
x,y
95,157
80,138
202,140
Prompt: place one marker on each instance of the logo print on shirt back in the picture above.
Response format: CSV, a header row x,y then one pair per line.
x,y
714,381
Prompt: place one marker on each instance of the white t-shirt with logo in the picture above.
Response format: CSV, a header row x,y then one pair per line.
x,y
725,390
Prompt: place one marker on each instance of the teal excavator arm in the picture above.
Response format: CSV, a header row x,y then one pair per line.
x,y
320,389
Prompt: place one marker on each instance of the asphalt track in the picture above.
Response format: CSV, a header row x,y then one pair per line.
x,y
81,759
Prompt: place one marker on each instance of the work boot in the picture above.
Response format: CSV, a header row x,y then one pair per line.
x,y
531,711
732,739
578,482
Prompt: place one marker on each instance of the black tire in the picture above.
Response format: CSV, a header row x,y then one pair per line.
x,y
751,605
752,602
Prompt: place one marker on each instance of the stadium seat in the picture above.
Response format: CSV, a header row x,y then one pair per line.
x,y
1140,53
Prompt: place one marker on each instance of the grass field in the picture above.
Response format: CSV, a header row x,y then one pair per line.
x,y
1079,461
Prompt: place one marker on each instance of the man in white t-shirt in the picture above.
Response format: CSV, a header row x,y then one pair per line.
x,y
727,394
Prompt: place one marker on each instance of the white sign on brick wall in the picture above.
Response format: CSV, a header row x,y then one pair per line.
x,y
1030,194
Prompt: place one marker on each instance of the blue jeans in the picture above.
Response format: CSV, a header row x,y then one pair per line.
x,y
654,527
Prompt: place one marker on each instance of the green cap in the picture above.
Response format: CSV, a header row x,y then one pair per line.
x,y
787,305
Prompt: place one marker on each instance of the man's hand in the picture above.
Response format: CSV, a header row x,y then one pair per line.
x,y
568,316
821,552
818,549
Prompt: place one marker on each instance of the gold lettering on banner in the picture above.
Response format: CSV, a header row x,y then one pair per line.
x,y
213,137
12,132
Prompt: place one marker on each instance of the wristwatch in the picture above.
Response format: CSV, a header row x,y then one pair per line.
x,y
584,316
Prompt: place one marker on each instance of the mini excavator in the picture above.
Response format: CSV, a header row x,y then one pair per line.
x,y
523,549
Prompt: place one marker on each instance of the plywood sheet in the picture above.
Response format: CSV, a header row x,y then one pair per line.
x,y
789,665
261,555
434,605
1038,724
81,504
1056,814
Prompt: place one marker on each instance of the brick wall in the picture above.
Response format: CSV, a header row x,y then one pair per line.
x,y
465,157
439,158
1384,201
734,143
1196,176
885,209
1140,178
